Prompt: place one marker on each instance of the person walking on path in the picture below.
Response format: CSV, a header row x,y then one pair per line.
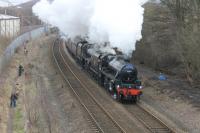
x,y
25,51
20,70
13,99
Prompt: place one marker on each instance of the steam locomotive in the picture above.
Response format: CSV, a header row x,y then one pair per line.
x,y
113,71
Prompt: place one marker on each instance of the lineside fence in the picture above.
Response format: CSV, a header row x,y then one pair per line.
x,y
17,42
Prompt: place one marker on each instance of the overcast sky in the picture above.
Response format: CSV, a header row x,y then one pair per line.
x,y
14,2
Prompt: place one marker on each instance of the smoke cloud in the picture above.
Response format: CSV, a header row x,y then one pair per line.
x,y
118,22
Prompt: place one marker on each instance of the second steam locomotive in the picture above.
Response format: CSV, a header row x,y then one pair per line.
x,y
113,71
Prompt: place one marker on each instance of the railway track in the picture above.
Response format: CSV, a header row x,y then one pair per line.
x,y
101,120
149,120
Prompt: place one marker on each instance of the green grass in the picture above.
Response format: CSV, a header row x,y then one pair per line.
x,y
18,121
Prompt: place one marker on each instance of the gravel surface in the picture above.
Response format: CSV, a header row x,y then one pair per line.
x,y
60,109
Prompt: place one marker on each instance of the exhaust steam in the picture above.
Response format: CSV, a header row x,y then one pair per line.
x,y
118,22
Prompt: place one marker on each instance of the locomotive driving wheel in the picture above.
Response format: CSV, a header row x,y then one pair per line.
x,y
106,84
110,87
136,98
120,97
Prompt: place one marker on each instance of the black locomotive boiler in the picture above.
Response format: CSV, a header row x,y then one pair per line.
x,y
113,71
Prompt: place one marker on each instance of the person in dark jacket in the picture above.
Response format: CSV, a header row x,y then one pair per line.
x,y
13,99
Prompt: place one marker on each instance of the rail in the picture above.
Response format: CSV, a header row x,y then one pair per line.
x,y
101,118
151,121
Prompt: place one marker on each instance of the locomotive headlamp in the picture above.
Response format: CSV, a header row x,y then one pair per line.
x,y
118,86
140,87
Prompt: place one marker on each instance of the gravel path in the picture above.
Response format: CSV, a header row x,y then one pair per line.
x,y
10,121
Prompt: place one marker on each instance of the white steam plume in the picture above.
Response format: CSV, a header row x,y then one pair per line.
x,y
116,21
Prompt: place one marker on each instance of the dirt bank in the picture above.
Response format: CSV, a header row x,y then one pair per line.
x,y
43,106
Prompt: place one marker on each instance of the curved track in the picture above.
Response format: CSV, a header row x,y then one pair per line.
x,y
100,118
